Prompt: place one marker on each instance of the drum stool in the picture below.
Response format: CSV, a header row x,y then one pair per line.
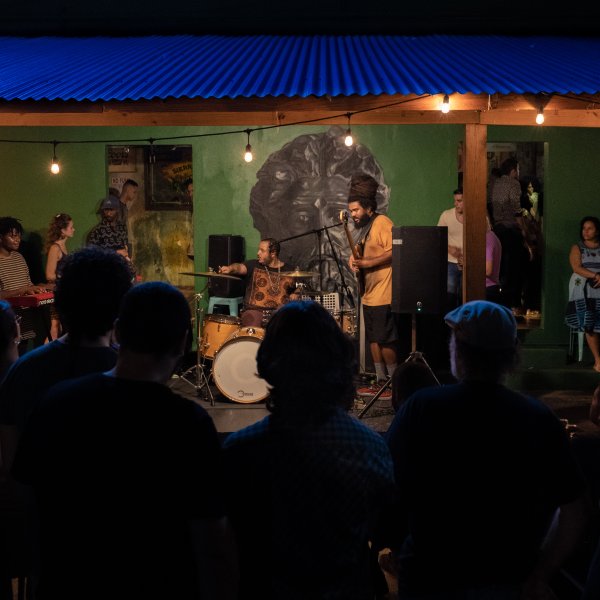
x,y
232,303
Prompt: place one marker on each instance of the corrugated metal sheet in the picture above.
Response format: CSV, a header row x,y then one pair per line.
x,y
211,66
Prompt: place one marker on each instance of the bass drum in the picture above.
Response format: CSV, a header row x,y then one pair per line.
x,y
234,367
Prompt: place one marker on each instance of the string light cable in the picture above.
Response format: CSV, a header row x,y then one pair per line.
x,y
152,141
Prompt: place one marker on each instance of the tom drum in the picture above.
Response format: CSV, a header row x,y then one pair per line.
x,y
234,367
215,331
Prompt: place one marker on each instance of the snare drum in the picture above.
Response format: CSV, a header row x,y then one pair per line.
x,y
234,367
346,320
215,330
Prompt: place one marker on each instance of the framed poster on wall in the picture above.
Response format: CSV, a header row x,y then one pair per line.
x,y
163,173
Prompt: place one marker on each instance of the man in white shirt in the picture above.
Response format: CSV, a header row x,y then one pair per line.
x,y
453,219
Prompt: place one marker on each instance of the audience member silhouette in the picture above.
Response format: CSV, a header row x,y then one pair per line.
x,y
410,376
128,474
10,336
313,479
481,471
105,277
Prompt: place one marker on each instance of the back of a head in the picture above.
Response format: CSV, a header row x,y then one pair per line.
x,y
409,377
509,165
308,361
484,344
154,319
90,289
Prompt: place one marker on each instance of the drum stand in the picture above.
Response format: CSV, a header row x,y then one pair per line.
x,y
200,381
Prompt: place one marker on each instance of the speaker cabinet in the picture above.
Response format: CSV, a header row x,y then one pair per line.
x,y
419,269
224,250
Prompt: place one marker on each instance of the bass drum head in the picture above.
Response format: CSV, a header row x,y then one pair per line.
x,y
234,370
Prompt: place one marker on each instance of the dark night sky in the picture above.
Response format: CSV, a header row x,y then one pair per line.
x,y
137,17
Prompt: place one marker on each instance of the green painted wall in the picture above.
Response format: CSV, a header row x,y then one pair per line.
x,y
419,163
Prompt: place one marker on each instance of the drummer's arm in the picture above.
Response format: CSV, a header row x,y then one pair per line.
x,y
234,269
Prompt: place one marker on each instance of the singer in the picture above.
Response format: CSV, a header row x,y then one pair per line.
x,y
372,260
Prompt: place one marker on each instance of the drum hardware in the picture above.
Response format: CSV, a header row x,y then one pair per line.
x,y
211,273
200,381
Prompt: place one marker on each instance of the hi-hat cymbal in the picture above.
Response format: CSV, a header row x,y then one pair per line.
x,y
298,273
211,274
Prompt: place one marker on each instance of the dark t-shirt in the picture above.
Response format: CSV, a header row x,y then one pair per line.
x,y
119,469
39,369
480,471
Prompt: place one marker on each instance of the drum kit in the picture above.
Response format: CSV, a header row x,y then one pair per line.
x,y
232,348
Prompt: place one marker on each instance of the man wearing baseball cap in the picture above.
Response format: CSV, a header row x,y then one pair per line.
x,y
481,472
110,233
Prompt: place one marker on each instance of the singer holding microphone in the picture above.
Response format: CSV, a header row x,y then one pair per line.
x,y
374,271
267,287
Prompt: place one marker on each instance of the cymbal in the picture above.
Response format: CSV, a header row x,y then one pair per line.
x,y
298,273
211,274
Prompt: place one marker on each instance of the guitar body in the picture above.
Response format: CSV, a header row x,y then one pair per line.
x,y
357,252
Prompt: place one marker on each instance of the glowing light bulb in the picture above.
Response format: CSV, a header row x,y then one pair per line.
x,y
445,106
348,140
248,155
55,167
539,118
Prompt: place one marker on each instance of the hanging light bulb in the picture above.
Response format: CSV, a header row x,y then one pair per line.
x,y
445,106
248,154
54,167
348,140
539,118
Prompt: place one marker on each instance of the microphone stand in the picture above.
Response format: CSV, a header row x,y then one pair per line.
x,y
347,291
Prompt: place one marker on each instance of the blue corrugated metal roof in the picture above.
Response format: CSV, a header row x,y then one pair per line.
x,y
213,66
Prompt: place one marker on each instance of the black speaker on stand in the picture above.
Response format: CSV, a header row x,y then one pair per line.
x,y
224,250
419,285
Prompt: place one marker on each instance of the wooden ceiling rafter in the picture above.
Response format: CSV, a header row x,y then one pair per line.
x,y
497,109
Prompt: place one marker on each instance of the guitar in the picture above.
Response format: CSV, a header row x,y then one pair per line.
x,y
357,252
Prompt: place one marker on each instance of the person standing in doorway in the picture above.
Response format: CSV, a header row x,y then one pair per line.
x,y
453,219
375,265
506,204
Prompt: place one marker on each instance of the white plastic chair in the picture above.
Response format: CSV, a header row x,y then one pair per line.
x,y
580,335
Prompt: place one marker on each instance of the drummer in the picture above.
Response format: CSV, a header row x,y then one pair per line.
x,y
267,285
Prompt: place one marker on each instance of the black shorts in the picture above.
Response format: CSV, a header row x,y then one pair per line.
x,y
380,325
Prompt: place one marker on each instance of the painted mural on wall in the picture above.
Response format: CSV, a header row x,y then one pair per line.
x,y
301,190
160,218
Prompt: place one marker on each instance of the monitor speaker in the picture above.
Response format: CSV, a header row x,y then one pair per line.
x,y
419,269
224,250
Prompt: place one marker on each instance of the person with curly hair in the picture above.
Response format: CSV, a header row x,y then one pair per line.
x,y
59,231
314,479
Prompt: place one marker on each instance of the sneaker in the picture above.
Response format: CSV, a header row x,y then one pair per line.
x,y
371,390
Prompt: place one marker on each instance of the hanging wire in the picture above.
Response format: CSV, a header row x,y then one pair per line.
x,y
219,133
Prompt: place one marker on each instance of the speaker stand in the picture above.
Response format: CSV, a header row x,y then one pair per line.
x,y
413,356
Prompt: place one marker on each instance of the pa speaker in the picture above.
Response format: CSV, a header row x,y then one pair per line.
x,y
224,250
419,269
